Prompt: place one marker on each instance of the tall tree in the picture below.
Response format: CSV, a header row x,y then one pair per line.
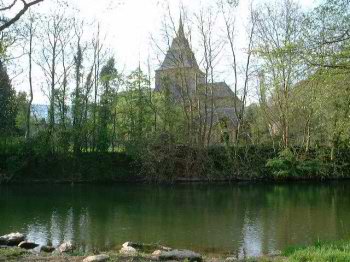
x,y
8,108
77,101
56,30
278,38
108,78
29,35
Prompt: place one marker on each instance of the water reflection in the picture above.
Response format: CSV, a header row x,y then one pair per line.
x,y
236,219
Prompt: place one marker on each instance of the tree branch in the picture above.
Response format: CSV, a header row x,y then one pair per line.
x,y
9,6
19,14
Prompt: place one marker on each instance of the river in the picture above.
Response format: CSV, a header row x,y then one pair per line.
x,y
238,219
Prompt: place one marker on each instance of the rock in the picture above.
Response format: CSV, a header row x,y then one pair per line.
x,y
47,249
97,258
275,253
179,255
27,245
66,247
145,248
128,244
12,239
229,259
156,253
127,250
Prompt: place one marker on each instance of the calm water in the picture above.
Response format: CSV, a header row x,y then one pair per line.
x,y
250,219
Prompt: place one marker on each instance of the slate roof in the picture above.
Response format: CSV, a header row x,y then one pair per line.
x,y
179,53
221,90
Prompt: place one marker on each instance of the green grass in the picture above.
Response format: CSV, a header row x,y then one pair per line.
x,y
11,253
321,252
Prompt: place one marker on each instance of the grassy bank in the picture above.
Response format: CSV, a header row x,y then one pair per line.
x,y
321,252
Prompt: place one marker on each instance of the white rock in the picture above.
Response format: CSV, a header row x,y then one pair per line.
x,y
156,253
97,258
66,247
126,244
12,239
126,250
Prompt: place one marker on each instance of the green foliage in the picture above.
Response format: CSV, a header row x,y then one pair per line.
x,y
284,165
288,165
21,117
135,109
11,253
8,106
109,79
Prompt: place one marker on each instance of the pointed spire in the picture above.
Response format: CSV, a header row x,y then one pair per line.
x,y
181,32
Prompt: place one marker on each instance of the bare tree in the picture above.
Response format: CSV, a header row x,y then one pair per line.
x,y
31,35
278,35
211,50
7,7
55,37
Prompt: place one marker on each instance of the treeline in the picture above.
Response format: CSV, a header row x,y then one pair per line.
x,y
295,66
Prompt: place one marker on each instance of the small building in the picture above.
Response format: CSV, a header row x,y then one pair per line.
x,y
188,84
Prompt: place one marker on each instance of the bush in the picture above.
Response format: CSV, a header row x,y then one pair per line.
x,y
285,165
289,165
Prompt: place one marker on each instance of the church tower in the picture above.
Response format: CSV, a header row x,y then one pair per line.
x,y
179,71
181,77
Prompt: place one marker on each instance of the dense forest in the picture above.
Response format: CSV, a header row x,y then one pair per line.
x,y
106,124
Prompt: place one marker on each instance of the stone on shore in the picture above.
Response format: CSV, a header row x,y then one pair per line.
x,y
66,247
144,248
178,255
127,250
12,239
47,249
27,245
96,258
230,259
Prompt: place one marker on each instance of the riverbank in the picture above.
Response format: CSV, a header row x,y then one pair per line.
x,y
181,165
319,252
15,255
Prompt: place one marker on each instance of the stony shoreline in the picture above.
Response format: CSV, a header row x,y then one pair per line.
x,y
15,247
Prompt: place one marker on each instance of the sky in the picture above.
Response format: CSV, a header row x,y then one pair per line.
x,y
130,26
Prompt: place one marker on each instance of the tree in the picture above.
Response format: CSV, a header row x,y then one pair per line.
x,y
8,108
227,9
29,34
55,38
135,109
108,77
278,32
327,36
77,101
26,5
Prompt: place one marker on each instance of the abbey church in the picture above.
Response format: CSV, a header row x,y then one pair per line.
x,y
188,85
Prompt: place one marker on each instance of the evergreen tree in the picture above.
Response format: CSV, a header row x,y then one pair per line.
x,y
77,105
108,76
8,108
